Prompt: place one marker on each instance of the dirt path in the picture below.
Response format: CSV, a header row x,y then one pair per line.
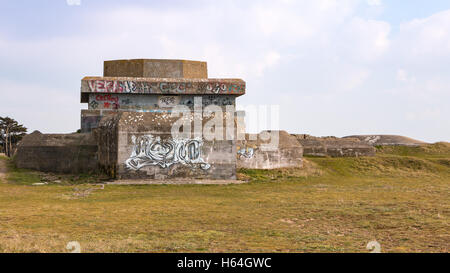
x,y
2,170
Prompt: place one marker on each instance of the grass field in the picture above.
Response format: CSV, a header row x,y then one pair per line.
x,y
400,198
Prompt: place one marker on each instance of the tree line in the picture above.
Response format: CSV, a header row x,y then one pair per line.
x,y
11,132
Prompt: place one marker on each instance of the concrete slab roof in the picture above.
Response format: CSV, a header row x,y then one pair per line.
x,y
155,68
161,86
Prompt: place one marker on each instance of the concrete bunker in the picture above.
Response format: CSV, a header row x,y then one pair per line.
x,y
334,146
126,132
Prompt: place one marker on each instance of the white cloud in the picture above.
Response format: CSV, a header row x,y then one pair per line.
x,y
374,2
317,57
428,38
269,60
367,40
402,75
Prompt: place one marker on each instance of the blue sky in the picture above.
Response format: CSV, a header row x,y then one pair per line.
x,y
335,67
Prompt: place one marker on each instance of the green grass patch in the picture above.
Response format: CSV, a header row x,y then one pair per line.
x,y
330,205
19,176
28,177
436,150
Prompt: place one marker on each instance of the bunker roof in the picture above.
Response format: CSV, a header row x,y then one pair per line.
x,y
156,68
159,77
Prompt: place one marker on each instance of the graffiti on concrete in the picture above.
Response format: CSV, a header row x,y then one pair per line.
x,y
144,87
215,87
372,139
217,100
152,151
141,102
105,101
168,101
107,97
209,100
93,104
167,87
246,152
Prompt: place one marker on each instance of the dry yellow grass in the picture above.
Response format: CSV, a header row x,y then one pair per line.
x,y
333,205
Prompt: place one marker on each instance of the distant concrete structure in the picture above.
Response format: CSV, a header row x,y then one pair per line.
x,y
287,153
387,140
334,146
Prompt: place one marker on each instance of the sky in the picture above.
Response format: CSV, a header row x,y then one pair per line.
x,y
334,67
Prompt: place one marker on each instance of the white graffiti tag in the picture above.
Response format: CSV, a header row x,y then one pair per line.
x,y
246,152
372,139
152,151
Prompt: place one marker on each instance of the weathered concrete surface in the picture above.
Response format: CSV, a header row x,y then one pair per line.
x,y
91,118
288,153
62,153
153,103
106,104
154,68
154,95
334,147
136,145
387,140
160,86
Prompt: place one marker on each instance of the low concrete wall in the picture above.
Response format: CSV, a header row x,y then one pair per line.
x,y
287,154
334,147
60,153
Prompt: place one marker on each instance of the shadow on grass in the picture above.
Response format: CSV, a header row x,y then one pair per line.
x,y
20,176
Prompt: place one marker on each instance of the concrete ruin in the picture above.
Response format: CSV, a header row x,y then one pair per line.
x,y
131,114
61,153
287,152
334,146
387,140
128,131
129,123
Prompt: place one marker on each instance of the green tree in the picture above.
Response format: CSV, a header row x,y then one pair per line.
x,y
11,132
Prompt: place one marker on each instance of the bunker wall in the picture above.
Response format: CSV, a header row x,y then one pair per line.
x,y
288,153
146,149
70,153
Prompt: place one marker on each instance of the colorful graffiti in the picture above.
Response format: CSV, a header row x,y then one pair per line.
x,y
104,101
135,102
152,151
107,97
143,87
